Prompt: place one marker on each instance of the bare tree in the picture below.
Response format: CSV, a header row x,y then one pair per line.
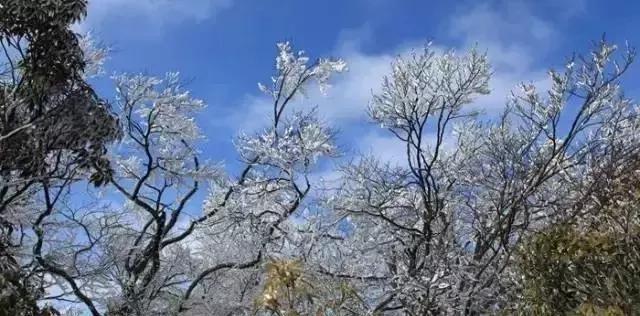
x,y
256,211
441,230
436,234
148,258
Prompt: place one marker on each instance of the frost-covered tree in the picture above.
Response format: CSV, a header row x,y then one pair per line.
x,y
440,233
261,210
587,261
158,254
436,236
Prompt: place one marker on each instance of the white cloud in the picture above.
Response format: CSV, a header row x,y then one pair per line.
x,y
153,13
504,22
514,38
349,97
253,114
346,101
385,147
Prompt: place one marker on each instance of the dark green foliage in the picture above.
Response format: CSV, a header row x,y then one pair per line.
x,y
18,296
52,124
589,263
46,107
568,271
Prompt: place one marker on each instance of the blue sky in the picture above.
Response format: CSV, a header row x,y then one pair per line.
x,y
224,47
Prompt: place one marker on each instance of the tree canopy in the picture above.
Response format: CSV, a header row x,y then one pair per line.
x,y
534,211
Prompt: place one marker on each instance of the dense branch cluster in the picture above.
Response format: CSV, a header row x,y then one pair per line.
x,y
520,212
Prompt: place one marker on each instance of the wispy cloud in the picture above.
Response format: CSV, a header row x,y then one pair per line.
x,y
515,40
154,14
346,100
514,37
